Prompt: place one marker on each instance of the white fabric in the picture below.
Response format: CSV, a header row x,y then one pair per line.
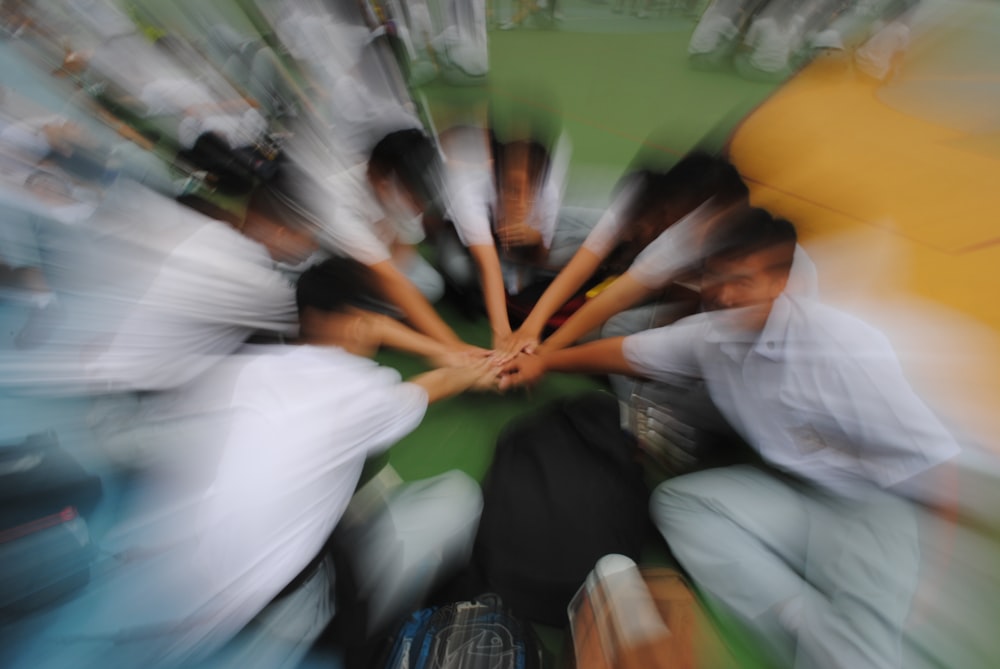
x,y
188,98
102,17
25,141
474,201
361,114
212,291
353,221
261,457
606,235
818,393
300,425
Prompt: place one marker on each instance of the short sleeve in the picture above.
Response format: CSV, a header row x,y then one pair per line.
x,y
469,193
668,353
605,236
675,249
346,219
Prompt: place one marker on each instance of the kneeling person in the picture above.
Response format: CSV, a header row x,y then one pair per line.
x,y
816,552
267,449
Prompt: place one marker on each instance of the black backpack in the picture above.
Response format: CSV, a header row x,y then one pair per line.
x,y
564,490
478,634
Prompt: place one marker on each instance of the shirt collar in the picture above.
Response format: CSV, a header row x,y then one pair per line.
x,y
769,342
772,340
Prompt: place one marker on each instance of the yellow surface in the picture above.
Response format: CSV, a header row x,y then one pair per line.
x,y
901,217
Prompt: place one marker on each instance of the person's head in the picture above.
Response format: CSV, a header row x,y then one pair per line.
x,y
329,296
521,167
747,258
657,199
698,177
276,218
404,171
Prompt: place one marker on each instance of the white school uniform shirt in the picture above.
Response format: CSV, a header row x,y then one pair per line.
x,y
212,290
473,202
301,422
817,393
266,450
472,192
354,223
605,235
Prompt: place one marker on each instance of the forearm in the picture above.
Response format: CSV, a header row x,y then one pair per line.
x,y
400,292
443,383
624,293
393,334
604,356
580,268
494,294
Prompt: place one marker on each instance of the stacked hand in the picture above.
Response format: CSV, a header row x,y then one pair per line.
x,y
461,356
481,375
524,370
508,346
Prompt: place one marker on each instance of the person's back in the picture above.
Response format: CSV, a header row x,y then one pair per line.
x,y
212,289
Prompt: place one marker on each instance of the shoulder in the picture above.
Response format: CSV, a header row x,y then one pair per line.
x,y
839,339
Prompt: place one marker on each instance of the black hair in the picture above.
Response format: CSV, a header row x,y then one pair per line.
x,y
284,197
744,231
335,285
537,159
410,157
700,175
670,196
693,180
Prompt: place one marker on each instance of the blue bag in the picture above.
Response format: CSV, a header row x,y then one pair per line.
x,y
478,634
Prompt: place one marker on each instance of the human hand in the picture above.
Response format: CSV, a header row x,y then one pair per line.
x,y
524,341
461,355
524,370
503,347
483,375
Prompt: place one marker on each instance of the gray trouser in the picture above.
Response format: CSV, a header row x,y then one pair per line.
x,y
823,581
403,547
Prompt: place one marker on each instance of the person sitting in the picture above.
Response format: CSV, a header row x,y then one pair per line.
x,y
374,213
648,237
260,457
509,229
816,548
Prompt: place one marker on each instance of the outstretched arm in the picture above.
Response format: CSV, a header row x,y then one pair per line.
x,y
447,382
581,267
401,293
396,335
625,292
600,357
494,294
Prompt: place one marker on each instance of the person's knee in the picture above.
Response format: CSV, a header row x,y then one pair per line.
x,y
670,498
432,286
457,264
427,280
448,504
460,496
